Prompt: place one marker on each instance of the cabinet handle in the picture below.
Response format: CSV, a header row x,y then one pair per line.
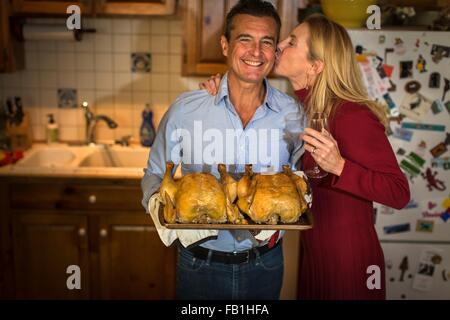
x,y
92,198
103,233
82,232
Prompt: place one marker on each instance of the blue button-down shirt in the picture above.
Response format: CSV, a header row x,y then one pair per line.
x,y
199,131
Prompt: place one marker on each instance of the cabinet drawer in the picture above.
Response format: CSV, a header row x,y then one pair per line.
x,y
75,197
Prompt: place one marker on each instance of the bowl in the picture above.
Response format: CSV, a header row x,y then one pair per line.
x,y
348,13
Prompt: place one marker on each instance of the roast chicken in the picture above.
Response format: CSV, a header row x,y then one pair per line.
x,y
201,198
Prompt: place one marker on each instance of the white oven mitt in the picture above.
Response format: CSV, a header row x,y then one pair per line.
x,y
168,236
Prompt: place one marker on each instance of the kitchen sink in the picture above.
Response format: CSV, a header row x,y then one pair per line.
x,y
51,157
119,157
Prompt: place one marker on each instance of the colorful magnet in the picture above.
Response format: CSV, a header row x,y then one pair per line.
x,y
438,52
399,46
401,151
445,215
406,69
446,203
410,169
437,106
412,86
446,88
412,204
436,259
425,226
421,148
386,51
392,86
439,150
391,104
440,163
432,181
404,266
403,134
388,70
435,80
415,106
417,43
397,228
415,159
423,126
359,49
421,64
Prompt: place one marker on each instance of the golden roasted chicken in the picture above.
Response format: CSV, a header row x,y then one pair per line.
x,y
201,198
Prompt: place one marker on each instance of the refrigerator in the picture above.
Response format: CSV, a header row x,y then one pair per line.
x,y
409,71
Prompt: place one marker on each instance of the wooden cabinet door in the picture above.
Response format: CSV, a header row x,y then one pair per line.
x,y
134,263
53,7
204,22
45,245
136,7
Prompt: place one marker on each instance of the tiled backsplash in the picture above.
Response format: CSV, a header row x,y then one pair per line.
x,y
99,68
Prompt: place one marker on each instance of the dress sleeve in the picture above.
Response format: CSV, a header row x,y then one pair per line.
x,y
371,170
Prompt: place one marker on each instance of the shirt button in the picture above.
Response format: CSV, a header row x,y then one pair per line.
x,y
238,238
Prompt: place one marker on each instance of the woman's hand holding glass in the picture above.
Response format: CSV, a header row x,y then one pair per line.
x,y
324,150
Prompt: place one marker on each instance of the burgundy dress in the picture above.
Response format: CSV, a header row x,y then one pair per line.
x,y
337,252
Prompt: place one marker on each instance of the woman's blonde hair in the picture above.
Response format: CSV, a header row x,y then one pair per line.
x,y
341,78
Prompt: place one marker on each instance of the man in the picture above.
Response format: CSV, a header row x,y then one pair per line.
x,y
248,121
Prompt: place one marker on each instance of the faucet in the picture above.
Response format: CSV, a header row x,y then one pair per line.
x,y
91,121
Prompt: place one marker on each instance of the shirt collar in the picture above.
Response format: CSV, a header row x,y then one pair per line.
x,y
269,100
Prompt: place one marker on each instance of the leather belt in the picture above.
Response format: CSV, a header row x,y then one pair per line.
x,y
239,257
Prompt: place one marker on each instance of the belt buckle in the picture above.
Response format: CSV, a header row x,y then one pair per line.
x,y
247,257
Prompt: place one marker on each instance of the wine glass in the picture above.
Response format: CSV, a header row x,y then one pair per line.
x,y
318,122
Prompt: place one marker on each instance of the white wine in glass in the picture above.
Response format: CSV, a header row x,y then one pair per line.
x,y
317,122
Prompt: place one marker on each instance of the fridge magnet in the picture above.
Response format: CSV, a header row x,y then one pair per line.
x,y
141,62
446,88
421,64
446,203
391,104
439,150
410,169
388,264
423,126
447,139
412,204
404,266
436,259
437,106
403,134
423,279
399,46
397,228
381,39
440,163
444,276
432,181
445,215
431,205
388,70
421,148
415,106
397,119
415,159
406,69
386,210
392,86
417,43
386,51
438,52
435,80
425,226
359,49
412,86
401,152
447,106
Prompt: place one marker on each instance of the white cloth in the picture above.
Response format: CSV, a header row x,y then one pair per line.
x,y
168,236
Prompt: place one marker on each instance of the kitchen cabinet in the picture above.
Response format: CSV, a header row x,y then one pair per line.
x,y
123,7
49,7
11,52
99,225
203,23
91,7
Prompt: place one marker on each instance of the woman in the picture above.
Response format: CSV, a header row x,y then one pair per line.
x,y
341,252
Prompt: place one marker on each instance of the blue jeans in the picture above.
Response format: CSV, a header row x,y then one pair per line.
x,y
259,279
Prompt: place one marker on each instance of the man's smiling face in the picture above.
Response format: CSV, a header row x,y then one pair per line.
x,y
250,51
